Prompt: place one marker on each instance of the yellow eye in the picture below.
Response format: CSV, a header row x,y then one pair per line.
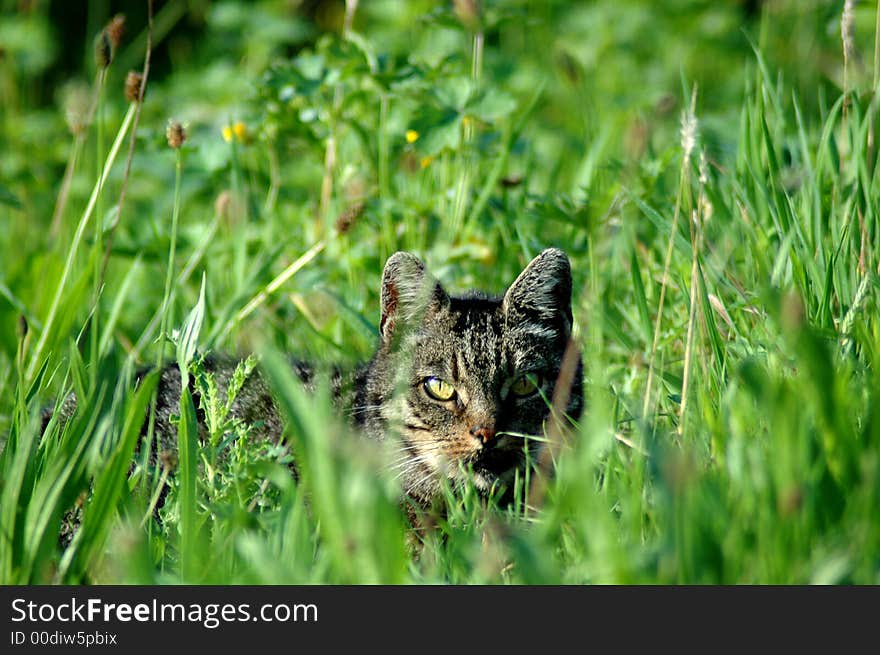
x,y
525,385
438,389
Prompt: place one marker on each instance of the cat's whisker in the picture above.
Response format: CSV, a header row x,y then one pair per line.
x,y
409,462
430,449
404,461
420,482
428,473
416,464
362,409
409,448
412,460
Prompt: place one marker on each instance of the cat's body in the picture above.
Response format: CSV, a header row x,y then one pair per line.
x,y
456,383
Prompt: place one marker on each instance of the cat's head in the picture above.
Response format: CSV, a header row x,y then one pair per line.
x,y
463,380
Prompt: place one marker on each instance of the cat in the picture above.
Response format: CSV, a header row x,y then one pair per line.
x,y
461,379
457,381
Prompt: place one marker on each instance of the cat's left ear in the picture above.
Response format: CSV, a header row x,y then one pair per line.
x,y
542,293
409,293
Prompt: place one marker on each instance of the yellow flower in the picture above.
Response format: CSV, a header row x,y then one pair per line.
x,y
412,136
426,161
467,121
237,130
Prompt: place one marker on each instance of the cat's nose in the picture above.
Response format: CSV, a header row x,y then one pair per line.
x,y
485,433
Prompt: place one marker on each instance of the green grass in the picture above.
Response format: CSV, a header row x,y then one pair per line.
x,y
711,174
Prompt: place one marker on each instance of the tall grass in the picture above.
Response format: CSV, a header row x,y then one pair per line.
x,y
726,302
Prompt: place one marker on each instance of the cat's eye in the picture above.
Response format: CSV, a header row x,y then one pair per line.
x,y
526,385
438,389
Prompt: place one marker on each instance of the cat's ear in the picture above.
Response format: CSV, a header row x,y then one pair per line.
x,y
541,295
408,292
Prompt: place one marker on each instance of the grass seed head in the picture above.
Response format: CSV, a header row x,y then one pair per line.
x,y
103,50
348,217
168,459
175,134
571,68
688,133
222,203
133,83
847,29
116,30
468,12
75,102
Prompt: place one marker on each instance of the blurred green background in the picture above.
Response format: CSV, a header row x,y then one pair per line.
x,y
590,94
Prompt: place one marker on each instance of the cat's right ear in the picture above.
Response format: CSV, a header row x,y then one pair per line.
x,y
408,292
541,296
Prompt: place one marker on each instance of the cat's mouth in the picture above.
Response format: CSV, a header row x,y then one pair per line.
x,y
487,470
494,467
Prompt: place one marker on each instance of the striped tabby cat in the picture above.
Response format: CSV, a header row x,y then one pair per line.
x,y
456,381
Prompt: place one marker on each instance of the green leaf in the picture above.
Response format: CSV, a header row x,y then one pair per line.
x,y
454,92
492,105
8,198
187,445
109,484
641,301
443,137
189,334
